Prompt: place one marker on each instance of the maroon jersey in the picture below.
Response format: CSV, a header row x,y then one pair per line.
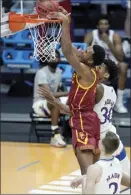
x,y
66,4
84,121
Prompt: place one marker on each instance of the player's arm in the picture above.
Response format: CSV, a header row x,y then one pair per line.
x,y
76,51
66,43
126,180
88,38
116,48
43,87
78,181
62,107
93,174
99,93
45,92
61,9
68,50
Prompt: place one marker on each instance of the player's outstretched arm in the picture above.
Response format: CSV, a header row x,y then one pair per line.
x,y
88,183
126,180
117,47
45,92
62,107
45,87
64,11
66,43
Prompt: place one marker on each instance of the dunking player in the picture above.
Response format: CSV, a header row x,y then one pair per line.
x,y
84,122
105,101
106,175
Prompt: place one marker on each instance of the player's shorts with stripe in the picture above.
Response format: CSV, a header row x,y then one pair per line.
x,y
85,131
40,107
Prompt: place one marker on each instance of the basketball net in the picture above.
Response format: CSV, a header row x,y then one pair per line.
x,y
45,33
45,37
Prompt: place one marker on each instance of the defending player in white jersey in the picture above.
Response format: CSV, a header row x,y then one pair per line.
x,y
105,101
106,175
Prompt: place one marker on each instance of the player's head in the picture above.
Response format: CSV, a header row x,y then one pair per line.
x,y
103,24
93,55
109,143
108,71
53,64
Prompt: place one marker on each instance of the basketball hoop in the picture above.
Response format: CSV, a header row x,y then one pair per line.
x,y
45,33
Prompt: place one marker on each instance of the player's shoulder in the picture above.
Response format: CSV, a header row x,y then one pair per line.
x,y
96,168
108,87
100,87
99,92
94,31
94,172
111,31
118,164
90,34
116,161
58,70
42,70
116,36
104,86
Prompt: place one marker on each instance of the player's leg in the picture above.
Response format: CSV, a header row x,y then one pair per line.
x,y
96,157
119,107
54,113
86,142
85,158
127,21
56,139
44,109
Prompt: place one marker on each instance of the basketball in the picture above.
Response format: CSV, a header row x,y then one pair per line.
x,y
43,7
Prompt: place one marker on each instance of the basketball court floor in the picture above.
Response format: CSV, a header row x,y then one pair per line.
x,y
38,169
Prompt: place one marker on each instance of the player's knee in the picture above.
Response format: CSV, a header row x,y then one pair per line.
x,y
123,67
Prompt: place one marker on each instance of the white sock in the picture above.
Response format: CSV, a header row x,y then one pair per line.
x,y
54,131
120,94
54,127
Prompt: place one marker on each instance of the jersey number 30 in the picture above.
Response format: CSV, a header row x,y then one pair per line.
x,y
115,186
107,114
